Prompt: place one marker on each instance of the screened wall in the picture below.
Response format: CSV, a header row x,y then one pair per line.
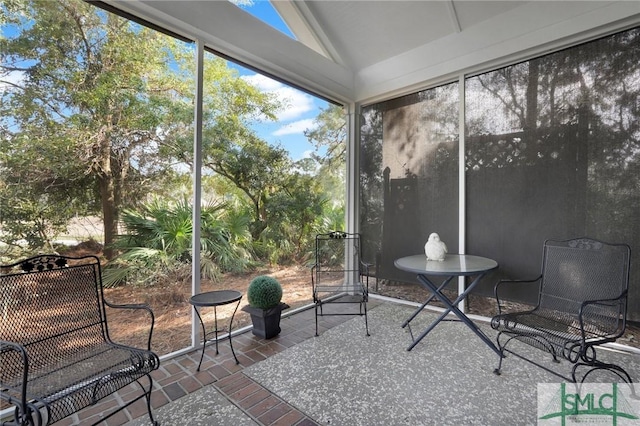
x,y
97,154
551,150
409,176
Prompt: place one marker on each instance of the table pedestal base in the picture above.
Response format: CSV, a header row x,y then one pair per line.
x,y
451,306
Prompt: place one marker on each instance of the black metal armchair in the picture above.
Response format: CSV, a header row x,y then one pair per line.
x,y
582,304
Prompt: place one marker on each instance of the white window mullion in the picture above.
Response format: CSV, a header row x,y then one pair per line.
x,y
197,186
352,219
461,184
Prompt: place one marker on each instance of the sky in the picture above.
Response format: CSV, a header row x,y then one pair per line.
x,y
301,109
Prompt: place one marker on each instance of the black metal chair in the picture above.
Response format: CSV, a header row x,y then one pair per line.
x,y
339,275
582,303
56,355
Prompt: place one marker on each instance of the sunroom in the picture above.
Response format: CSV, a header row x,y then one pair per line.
x,y
496,124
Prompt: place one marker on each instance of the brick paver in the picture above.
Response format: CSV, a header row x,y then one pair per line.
x,y
177,377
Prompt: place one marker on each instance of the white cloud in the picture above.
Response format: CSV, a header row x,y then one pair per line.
x,y
296,103
14,77
307,153
295,127
262,82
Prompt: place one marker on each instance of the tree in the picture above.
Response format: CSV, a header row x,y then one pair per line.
x,y
95,88
257,169
294,214
37,202
330,133
286,199
230,148
117,99
329,136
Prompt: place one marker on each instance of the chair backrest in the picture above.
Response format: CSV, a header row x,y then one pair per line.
x,y
583,269
52,305
337,257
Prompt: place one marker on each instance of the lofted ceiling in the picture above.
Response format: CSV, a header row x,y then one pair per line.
x,y
364,50
359,34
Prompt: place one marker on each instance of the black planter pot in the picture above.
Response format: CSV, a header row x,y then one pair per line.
x,y
266,322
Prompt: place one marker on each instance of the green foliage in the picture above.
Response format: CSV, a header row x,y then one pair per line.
x,y
117,99
92,87
254,167
294,215
40,191
264,292
158,240
288,202
34,222
330,133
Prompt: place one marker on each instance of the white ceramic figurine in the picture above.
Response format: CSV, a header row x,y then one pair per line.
x,y
435,249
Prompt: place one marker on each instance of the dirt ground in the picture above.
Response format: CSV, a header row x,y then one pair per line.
x,y
172,311
170,304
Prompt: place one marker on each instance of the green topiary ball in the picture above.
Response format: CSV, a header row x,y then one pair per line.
x,y
264,292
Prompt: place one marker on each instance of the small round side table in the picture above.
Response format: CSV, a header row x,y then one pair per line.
x,y
214,299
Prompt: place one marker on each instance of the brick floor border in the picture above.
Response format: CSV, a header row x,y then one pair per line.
x,y
177,377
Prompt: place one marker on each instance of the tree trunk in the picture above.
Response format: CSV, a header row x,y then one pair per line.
x,y
531,119
109,214
107,186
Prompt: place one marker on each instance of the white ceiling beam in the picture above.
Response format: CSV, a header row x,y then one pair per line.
x,y
455,22
237,34
308,31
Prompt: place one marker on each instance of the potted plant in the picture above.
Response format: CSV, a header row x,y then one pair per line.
x,y
265,306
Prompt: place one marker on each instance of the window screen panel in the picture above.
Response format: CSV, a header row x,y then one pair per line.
x,y
409,176
553,151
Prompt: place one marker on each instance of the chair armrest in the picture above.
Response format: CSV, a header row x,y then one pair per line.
x,y
6,348
313,274
139,306
502,282
365,266
619,302
364,270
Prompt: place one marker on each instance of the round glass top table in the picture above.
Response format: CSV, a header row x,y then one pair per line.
x,y
453,265
214,299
